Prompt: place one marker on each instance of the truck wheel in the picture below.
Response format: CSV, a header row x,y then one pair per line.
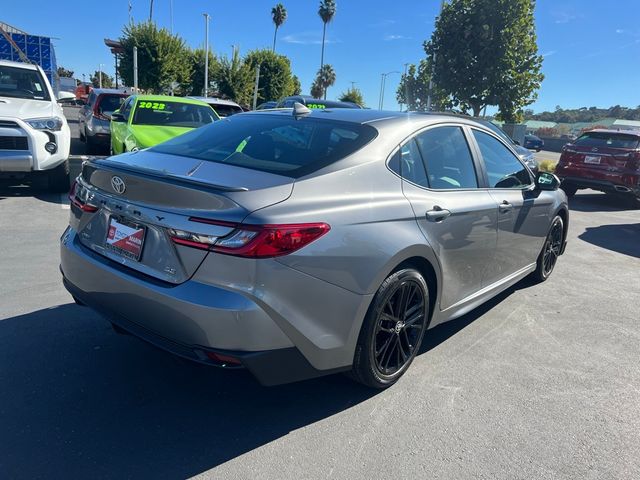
x,y
58,178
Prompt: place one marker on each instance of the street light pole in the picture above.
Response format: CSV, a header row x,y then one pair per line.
x,y
206,54
100,75
384,79
433,69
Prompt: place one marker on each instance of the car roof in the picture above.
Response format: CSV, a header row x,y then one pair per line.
x,y
26,66
613,130
375,117
102,91
168,98
219,101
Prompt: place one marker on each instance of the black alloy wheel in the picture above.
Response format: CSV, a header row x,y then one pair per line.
x,y
551,250
393,330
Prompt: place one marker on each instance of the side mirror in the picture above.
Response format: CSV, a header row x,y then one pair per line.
x,y
547,181
117,117
63,97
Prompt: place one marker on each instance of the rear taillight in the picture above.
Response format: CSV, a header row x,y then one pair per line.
x,y
254,241
81,198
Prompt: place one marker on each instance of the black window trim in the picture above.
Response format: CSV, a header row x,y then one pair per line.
x,y
481,174
531,185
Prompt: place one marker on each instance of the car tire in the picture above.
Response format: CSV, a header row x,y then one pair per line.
x,y
550,251
393,329
569,190
91,145
58,178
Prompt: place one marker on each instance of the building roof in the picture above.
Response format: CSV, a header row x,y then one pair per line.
x,y
536,124
627,123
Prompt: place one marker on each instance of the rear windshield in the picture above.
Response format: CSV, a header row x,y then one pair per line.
x,y
226,110
172,114
610,140
272,143
110,103
22,83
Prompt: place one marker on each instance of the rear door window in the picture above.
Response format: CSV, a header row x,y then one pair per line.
x,y
608,140
447,158
275,143
503,168
110,103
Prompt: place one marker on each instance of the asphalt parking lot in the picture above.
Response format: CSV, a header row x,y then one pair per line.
x,y
542,382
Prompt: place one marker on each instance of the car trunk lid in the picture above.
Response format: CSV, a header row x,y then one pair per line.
x,y
604,151
140,197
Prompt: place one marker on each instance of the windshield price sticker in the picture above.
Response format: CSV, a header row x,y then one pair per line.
x,y
151,105
316,106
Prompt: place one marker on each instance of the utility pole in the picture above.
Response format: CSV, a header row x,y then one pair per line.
x,y
433,69
100,75
206,54
406,87
384,80
135,69
255,89
171,15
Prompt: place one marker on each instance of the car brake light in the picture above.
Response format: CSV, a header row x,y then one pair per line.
x,y
254,241
80,197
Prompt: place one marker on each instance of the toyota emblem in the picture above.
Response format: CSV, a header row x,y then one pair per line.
x,y
118,184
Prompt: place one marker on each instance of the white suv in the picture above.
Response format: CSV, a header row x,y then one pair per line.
x,y
34,134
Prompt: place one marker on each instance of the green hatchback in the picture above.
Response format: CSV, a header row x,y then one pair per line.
x,y
147,120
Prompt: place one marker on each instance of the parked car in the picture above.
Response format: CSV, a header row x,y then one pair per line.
x,y
224,108
314,103
533,143
524,153
146,120
95,116
605,160
298,243
267,106
34,134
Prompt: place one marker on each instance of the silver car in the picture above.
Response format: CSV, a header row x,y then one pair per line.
x,y
94,118
298,243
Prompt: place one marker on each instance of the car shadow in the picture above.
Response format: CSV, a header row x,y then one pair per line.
x,y
78,398
601,202
618,238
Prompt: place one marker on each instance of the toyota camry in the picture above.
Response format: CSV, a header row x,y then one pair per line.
x,y
297,243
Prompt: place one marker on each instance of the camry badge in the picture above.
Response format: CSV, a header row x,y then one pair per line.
x,y
594,149
118,184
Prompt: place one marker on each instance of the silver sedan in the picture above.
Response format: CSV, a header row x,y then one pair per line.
x,y
298,243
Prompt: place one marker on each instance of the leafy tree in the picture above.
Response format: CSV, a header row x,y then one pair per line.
x,y
486,54
353,95
63,72
326,11
279,16
107,80
297,88
413,89
234,79
197,70
316,89
276,80
325,78
162,58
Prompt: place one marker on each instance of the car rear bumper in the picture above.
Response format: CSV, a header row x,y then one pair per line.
x,y
604,185
194,318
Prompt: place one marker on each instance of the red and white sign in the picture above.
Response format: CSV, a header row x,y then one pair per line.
x,y
125,239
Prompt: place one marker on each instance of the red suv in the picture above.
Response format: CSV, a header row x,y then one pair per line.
x,y
605,160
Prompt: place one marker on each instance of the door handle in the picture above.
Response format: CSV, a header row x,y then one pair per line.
x,y
437,214
505,206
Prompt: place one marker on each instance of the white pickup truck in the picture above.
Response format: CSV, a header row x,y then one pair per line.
x,y
34,134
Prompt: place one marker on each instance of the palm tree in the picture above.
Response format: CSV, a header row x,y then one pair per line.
x,y
326,11
279,16
326,77
151,10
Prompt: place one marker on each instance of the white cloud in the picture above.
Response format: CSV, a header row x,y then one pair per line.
x,y
620,30
382,23
549,53
396,37
307,38
564,17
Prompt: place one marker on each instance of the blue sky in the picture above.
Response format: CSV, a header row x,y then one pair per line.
x,y
591,47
